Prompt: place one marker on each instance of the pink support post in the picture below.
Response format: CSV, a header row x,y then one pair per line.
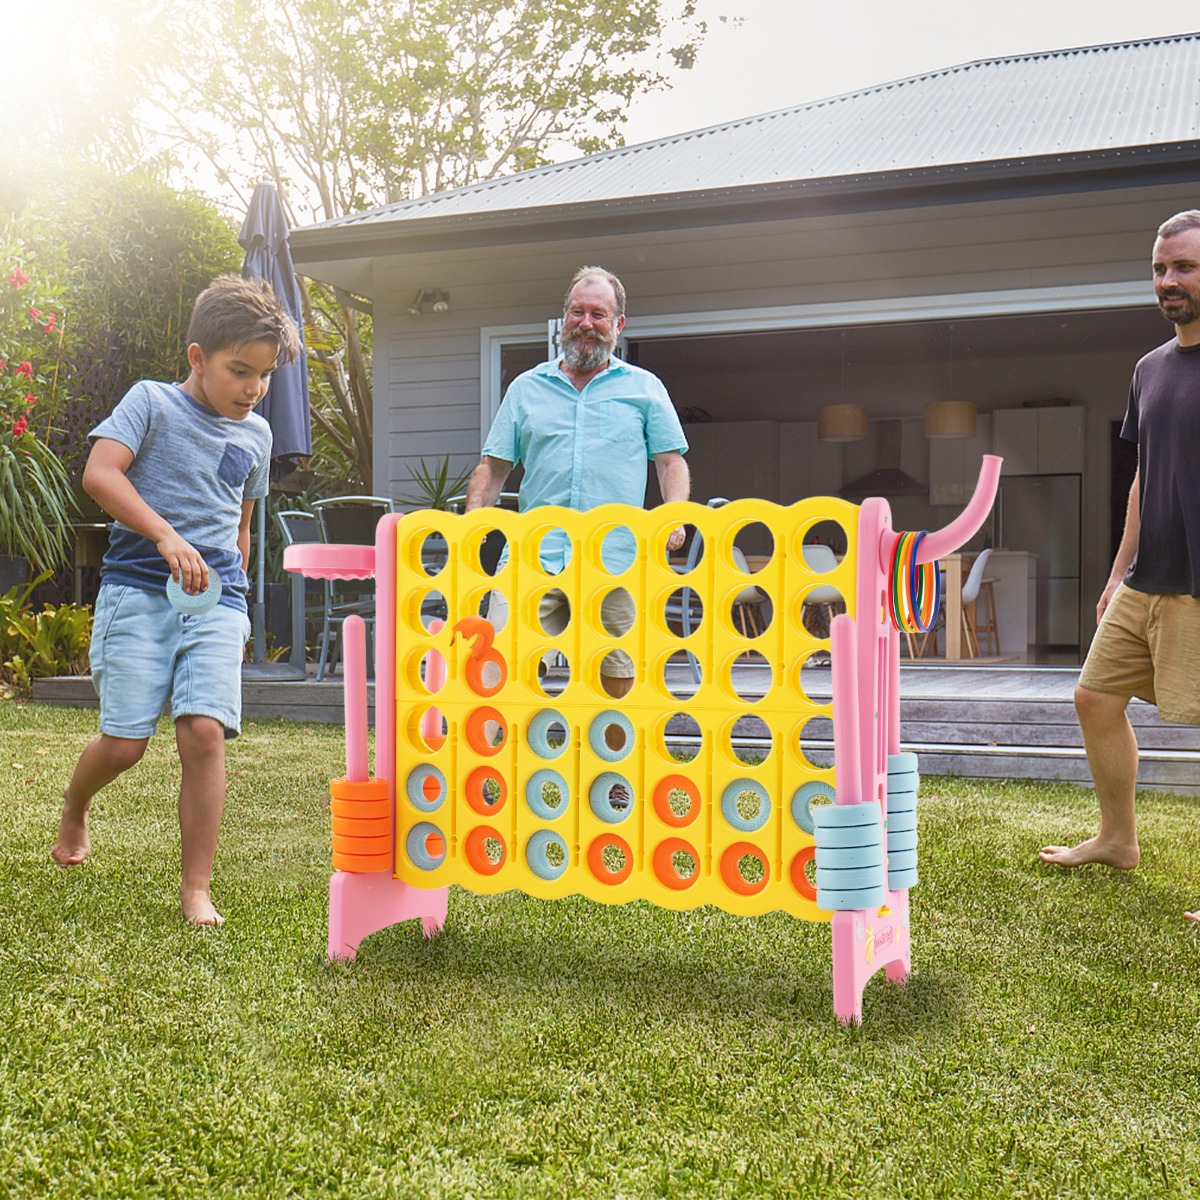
x,y
364,903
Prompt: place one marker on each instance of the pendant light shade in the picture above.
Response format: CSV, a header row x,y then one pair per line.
x,y
841,423
950,419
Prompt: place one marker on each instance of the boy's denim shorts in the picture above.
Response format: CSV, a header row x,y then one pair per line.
x,y
143,651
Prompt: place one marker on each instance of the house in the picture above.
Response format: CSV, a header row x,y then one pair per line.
x,y
978,234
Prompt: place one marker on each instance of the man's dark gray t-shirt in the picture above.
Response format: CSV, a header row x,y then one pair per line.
x,y
1163,418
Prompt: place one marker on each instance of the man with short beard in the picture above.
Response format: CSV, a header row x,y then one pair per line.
x,y
584,426
1148,641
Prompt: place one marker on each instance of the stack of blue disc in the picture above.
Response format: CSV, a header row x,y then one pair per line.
x,y
903,782
849,855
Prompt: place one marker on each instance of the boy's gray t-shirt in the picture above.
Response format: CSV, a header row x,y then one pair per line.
x,y
195,469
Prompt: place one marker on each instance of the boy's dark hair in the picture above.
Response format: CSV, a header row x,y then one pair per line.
x,y
233,311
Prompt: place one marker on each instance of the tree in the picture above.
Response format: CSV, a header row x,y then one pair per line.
x,y
347,106
132,255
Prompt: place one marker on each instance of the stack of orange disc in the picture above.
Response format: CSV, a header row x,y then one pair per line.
x,y
362,825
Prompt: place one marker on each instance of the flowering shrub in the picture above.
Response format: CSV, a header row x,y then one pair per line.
x,y
36,502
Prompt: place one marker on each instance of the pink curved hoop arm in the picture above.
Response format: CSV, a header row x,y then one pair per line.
x,y
945,541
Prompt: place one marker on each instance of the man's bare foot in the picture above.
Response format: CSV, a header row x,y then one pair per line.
x,y
1124,858
72,845
1191,916
198,908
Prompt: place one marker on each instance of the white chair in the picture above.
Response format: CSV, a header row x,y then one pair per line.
x,y
747,604
974,586
825,600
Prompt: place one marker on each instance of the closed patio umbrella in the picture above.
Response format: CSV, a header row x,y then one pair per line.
x,y
264,237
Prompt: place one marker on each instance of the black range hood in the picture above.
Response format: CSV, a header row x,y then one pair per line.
x,y
887,479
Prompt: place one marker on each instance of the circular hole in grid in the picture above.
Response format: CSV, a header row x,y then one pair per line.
x,y
678,559
744,869
618,550
750,739
494,607
750,611
676,800
486,791
814,741
756,543
682,738
676,864
433,608
431,670
489,549
828,532
813,678
682,674
610,858
435,553
428,730
553,672
683,612
557,618
554,547
815,608
618,611
751,677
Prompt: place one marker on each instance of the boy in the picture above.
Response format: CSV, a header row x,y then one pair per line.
x,y
178,468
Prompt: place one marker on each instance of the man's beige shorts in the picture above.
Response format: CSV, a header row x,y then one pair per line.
x,y
1149,646
617,613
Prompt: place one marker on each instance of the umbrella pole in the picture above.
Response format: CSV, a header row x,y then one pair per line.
x,y
260,585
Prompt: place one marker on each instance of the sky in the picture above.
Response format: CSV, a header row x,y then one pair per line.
x,y
759,56
788,52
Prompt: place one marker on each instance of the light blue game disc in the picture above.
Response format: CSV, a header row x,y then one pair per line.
x,y
201,602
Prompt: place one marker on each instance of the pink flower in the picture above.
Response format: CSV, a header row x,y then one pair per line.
x,y
26,369
19,426
30,399
3,366
48,326
17,278
34,313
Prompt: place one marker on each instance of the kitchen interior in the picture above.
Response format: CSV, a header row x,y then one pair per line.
x,y
906,411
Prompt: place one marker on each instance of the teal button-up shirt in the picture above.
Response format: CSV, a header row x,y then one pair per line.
x,y
584,449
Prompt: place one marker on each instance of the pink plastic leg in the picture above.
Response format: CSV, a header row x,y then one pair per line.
x,y
864,941
360,905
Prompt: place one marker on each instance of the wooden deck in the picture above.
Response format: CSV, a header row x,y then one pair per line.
x,y
981,722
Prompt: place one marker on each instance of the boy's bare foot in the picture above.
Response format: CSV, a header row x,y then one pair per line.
x,y
198,908
1124,858
72,845
1191,916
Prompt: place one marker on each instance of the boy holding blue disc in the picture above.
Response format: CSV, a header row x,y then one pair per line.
x,y
178,468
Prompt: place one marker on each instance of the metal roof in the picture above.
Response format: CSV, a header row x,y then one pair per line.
x,y
1052,106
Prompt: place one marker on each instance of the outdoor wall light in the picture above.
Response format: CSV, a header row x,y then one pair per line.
x,y
841,423
430,300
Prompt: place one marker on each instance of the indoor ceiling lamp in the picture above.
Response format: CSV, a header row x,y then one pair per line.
x,y
841,423
950,419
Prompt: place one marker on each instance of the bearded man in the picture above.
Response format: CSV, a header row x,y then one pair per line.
x,y
1148,640
584,426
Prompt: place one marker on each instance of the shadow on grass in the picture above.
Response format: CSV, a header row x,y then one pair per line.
x,y
704,964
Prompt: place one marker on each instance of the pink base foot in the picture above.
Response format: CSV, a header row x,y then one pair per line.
x,y
360,905
864,941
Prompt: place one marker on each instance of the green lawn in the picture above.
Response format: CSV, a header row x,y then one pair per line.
x,y
1044,1046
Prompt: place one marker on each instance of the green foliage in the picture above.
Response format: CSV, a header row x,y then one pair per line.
x,y
36,503
433,483
134,255
35,644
